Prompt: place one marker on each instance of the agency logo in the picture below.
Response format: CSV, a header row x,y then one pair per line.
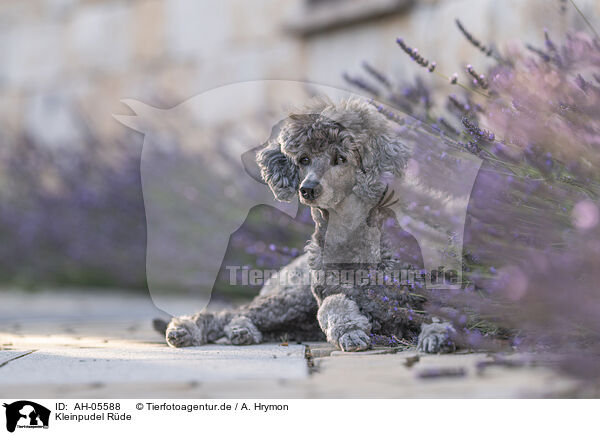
x,y
213,180
24,414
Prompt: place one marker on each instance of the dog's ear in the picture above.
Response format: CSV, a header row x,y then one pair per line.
x,y
382,151
278,171
384,158
392,154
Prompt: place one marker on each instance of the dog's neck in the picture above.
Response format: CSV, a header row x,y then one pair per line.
x,y
348,238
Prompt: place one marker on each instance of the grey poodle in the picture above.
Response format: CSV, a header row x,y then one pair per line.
x,y
336,159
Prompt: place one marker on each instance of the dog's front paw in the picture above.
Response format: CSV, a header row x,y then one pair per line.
x,y
183,332
354,341
241,330
437,338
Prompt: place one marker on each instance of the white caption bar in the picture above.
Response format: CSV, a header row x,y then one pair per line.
x,y
273,416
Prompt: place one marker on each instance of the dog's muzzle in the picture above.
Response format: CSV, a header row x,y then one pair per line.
x,y
310,190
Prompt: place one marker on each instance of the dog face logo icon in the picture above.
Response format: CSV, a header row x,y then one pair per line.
x,y
26,414
194,204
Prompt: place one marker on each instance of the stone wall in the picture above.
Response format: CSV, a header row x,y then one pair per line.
x,y
70,61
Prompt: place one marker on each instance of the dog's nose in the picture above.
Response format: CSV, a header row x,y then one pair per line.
x,y
309,190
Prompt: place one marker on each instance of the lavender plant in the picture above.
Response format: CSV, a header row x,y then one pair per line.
x,y
70,218
75,217
532,236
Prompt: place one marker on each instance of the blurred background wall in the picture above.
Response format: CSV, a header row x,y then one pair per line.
x,y
66,64
60,57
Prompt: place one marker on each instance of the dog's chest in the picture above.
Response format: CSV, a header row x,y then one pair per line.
x,y
351,243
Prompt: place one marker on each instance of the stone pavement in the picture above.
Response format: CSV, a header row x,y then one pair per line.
x,y
66,344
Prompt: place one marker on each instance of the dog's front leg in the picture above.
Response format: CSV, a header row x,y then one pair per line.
x,y
342,322
437,337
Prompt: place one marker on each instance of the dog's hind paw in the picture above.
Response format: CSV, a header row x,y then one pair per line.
x,y
183,332
179,337
437,338
241,331
354,341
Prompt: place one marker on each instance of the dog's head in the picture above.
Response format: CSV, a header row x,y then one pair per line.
x,y
328,151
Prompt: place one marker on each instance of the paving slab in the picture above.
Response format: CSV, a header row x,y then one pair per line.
x,y
141,363
411,375
57,343
7,356
101,345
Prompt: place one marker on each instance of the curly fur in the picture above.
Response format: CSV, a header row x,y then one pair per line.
x,y
278,172
347,152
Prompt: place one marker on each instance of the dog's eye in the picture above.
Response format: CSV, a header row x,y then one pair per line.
x,y
339,160
304,161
